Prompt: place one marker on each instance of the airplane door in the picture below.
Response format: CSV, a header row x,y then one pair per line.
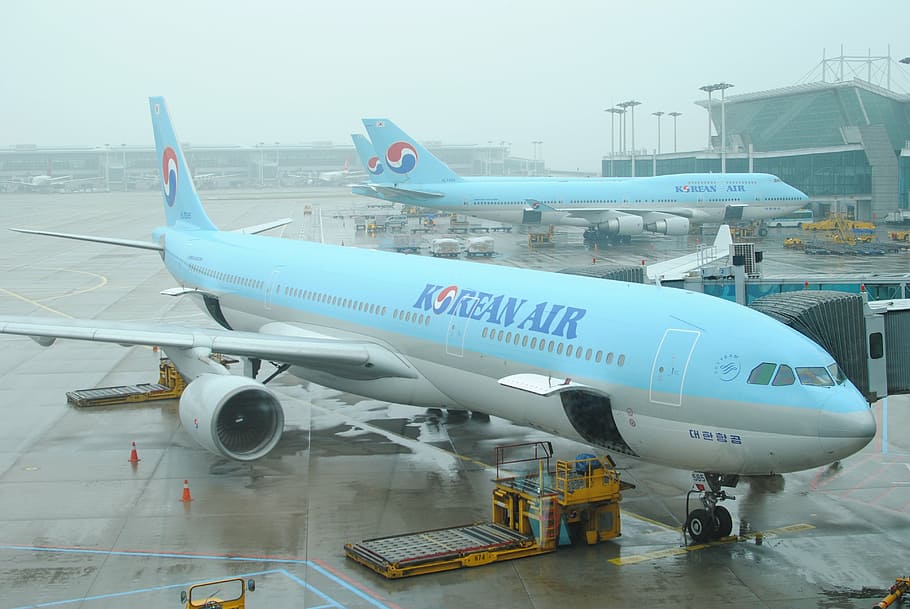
x,y
668,373
733,213
531,216
273,286
458,326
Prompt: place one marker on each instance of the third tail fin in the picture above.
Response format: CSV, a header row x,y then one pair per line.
x,y
403,158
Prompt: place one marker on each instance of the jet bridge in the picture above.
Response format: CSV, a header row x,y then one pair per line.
x,y
868,340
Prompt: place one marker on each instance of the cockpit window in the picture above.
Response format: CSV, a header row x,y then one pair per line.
x,y
784,376
815,376
837,373
761,374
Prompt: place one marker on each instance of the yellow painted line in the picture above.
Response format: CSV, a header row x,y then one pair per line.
x,y
102,281
677,551
657,523
35,303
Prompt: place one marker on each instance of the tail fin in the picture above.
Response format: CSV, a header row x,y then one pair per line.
x,y
182,206
407,160
371,162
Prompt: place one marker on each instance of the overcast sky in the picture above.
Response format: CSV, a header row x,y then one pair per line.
x,y
468,72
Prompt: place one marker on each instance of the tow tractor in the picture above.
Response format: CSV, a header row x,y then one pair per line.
x,y
220,594
533,514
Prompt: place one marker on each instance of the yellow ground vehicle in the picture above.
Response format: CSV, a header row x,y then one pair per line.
x,y
221,594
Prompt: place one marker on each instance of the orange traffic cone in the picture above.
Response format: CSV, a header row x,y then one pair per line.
x,y
134,456
186,492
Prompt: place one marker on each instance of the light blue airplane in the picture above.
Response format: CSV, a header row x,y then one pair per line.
x,y
665,375
615,208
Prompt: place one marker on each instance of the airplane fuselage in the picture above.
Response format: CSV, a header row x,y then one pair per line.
x,y
700,198
657,373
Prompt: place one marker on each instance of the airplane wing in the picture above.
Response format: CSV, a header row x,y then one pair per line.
x,y
677,268
261,228
397,191
598,215
361,360
146,245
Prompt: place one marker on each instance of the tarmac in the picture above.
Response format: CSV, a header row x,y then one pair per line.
x,y
82,527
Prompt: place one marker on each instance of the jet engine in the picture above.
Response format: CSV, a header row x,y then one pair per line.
x,y
670,225
232,416
623,225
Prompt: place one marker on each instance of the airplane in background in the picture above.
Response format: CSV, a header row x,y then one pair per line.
x,y
614,208
664,375
45,182
333,177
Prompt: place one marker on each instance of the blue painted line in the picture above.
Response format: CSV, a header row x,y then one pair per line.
x,y
159,555
332,602
349,587
97,597
306,563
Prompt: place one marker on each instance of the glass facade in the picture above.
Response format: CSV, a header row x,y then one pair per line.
x,y
824,124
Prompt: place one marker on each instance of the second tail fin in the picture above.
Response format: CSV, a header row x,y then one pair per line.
x,y
371,161
182,206
403,157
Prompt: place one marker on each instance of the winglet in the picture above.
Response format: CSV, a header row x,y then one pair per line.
x,y
182,206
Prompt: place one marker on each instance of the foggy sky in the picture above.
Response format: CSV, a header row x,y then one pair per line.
x,y
468,72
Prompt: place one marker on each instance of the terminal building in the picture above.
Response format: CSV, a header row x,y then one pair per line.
x,y
123,167
846,144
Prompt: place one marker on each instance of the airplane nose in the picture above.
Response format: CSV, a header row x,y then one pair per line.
x,y
843,433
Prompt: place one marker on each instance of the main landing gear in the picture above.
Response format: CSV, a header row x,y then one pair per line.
x,y
711,521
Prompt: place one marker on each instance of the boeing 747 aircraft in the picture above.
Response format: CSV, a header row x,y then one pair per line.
x,y
664,375
613,209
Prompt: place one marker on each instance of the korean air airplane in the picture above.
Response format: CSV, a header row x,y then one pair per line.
x,y
612,209
659,374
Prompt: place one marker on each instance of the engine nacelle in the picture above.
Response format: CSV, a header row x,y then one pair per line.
x,y
623,225
673,225
232,416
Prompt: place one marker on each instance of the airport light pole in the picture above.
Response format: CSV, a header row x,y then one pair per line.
x,y
658,114
709,89
630,106
613,112
675,115
723,86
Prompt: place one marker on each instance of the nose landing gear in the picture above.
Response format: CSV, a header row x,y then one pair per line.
x,y
711,521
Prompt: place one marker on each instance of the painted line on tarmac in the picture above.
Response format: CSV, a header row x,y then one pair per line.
x,y
670,552
353,587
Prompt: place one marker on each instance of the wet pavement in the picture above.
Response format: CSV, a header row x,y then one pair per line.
x,y
80,526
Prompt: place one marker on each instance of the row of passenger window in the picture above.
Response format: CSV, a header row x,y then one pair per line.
x,y
551,346
246,282
335,301
816,376
419,319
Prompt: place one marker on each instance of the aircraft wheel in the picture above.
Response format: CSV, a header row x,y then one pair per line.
x,y
723,522
700,525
